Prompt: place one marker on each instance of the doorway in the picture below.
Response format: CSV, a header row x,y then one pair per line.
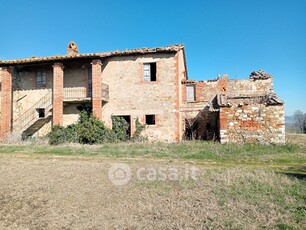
x,y
123,122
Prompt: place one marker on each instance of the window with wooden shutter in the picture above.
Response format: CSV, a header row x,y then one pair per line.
x,y
149,71
190,93
146,72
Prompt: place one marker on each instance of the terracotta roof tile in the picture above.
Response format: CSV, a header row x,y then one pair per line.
x,y
173,48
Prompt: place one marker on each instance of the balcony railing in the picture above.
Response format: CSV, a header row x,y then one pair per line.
x,y
81,93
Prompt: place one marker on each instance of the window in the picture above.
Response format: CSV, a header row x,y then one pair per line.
x,y
41,78
89,82
150,119
190,95
41,112
149,71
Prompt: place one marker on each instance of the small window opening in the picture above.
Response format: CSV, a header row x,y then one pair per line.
x,y
150,119
149,71
41,112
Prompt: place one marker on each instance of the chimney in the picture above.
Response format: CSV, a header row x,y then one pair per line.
x,y
72,49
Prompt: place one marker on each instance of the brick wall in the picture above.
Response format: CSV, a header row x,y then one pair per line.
x,y
247,119
6,102
58,85
97,89
129,95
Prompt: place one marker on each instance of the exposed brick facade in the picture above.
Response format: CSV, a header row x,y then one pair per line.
x,y
58,86
97,89
6,102
236,111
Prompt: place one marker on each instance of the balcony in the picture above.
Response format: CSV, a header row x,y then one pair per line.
x,y
81,94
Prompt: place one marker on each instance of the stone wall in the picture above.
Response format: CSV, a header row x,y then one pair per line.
x,y
252,123
25,93
71,114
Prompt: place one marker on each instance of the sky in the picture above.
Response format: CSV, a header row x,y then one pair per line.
x,y
220,36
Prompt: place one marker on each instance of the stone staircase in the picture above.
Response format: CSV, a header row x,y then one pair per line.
x,y
35,117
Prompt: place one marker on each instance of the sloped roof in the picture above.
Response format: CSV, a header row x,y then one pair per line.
x,y
166,49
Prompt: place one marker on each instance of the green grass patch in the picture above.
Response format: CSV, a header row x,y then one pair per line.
x,y
249,154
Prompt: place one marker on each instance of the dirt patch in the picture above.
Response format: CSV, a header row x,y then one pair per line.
x,y
75,193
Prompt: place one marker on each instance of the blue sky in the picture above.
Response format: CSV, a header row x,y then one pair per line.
x,y
220,36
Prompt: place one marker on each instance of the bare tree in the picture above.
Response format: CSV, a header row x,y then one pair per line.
x,y
300,120
304,123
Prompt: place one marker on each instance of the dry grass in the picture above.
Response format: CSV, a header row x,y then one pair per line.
x,y
237,187
74,192
295,138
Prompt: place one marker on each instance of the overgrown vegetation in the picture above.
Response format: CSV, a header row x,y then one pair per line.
x,y
90,130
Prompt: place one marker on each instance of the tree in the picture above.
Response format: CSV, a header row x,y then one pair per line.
x,y
300,121
304,123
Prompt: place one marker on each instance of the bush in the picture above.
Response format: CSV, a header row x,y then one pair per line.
x,y
90,130
57,135
120,128
139,128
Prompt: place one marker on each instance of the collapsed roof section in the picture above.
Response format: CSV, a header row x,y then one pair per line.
x,y
260,75
227,101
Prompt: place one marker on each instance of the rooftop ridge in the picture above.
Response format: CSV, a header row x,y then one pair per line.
x,y
169,48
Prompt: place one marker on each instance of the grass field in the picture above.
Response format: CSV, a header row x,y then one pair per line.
x,y
235,186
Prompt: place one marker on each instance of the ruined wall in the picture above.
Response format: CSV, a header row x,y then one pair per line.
x,y
247,118
130,95
203,113
205,91
252,123
247,87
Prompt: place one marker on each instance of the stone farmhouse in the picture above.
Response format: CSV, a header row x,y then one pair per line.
x,y
150,84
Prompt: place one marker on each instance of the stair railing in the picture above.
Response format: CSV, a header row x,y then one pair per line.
x,y
31,115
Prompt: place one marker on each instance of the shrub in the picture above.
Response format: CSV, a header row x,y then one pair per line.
x,y
120,128
139,128
90,130
57,135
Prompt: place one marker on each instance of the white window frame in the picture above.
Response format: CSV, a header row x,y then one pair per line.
x,y
147,72
190,92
